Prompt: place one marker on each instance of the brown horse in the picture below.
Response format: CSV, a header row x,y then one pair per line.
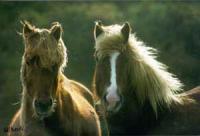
x,y
51,104
137,92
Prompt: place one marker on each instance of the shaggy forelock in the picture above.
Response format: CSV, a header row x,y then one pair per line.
x,y
48,49
110,40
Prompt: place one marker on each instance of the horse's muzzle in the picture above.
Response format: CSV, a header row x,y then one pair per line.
x,y
43,106
114,105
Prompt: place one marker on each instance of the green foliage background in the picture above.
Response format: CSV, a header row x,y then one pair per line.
x,y
171,27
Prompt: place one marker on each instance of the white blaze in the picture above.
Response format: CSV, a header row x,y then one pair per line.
x,y
112,96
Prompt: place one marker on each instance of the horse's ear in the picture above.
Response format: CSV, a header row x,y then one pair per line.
x,y
99,22
126,30
98,29
27,28
56,30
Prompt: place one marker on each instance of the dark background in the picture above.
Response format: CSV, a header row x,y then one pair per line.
x,y
171,27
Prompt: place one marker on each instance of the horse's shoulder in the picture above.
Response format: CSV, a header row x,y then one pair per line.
x,y
16,118
83,99
193,93
15,123
77,88
82,90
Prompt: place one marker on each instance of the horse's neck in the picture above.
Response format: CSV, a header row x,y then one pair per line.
x,y
65,103
140,117
65,111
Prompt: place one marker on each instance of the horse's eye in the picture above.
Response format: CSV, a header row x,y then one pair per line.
x,y
35,35
54,67
32,61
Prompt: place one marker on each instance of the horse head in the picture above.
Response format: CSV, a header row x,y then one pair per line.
x,y
44,58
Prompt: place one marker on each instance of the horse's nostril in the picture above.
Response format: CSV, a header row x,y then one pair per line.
x,y
121,99
36,103
43,105
105,100
50,102
117,103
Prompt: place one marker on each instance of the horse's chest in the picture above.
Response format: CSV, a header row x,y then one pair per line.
x,y
54,127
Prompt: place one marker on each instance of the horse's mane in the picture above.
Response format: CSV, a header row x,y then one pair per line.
x,y
50,53
150,79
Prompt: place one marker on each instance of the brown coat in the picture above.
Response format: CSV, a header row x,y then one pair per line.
x,y
74,114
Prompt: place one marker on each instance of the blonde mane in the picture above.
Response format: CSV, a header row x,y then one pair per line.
x,y
149,78
51,52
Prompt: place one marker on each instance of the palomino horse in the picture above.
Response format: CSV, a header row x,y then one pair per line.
x,y
51,104
138,94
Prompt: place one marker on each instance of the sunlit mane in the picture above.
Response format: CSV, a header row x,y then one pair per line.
x,y
109,41
149,78
50,52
